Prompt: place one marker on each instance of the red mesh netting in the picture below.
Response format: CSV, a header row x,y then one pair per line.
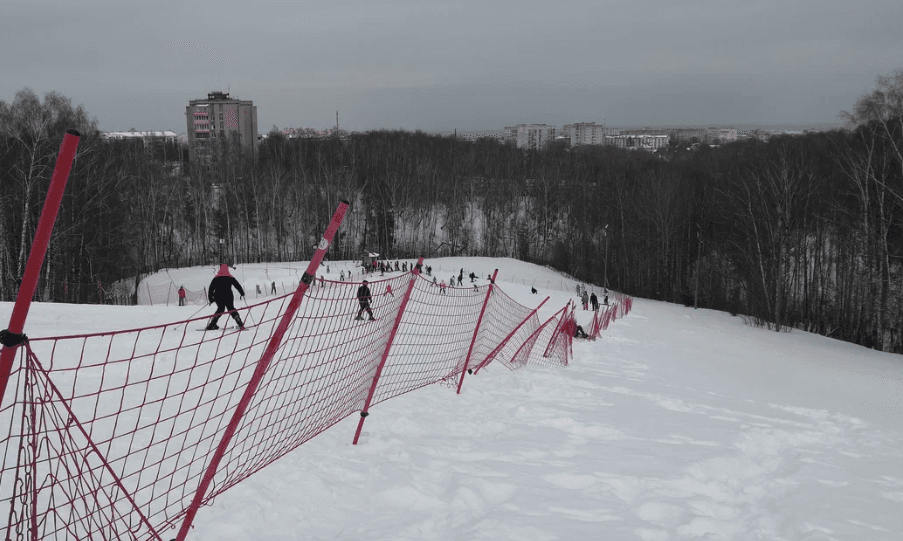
x,y
109,435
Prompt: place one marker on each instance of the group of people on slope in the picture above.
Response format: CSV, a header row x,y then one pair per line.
x,y
220,292
592,300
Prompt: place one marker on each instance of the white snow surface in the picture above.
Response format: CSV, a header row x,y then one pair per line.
x,y
675,424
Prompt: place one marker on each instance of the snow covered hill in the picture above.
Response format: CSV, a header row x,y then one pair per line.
x,y
676,424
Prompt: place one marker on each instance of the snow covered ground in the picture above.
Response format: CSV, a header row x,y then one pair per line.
x,y
676,424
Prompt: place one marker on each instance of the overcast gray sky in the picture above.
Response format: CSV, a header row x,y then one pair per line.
x,y
443,65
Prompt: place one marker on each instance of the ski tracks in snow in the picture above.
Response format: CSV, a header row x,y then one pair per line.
x,y
744,469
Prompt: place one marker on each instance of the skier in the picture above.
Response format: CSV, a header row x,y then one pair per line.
x,y
181,295
594,301
580,333
363,297
389,290
442,290
220,292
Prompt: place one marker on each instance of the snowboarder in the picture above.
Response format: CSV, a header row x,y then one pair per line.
x,y
181,295
220,292
363,298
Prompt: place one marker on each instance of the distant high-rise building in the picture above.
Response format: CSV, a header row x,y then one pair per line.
x,y
585,133
726,135
218,120
535,136
510,135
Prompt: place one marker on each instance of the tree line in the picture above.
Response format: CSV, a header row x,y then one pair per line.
x,y
794,232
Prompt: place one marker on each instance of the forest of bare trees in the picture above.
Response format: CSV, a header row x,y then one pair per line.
x,y
797,232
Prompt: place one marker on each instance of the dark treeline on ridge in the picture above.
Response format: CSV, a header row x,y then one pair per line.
x,y
796,232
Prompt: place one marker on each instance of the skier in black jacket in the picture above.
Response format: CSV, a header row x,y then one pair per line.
x,y
363,297
220,292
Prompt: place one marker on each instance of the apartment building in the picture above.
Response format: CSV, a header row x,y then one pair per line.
x,y
218,120
534,136
584,133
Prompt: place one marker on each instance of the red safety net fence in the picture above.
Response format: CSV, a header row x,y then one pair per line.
x,y
603,318
122,435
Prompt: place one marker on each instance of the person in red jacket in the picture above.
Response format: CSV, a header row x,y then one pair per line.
x,y
220,292
181,295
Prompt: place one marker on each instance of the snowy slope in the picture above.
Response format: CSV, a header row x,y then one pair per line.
x,y
677,424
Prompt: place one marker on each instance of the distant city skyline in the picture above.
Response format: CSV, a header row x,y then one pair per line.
x,y
442,65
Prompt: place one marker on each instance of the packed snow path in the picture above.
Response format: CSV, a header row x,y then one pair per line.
x,y
678,424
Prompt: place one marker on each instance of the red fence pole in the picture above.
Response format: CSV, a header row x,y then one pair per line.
x,y
499,347
260,370
11,337
556,335
476,331
379,369
594,325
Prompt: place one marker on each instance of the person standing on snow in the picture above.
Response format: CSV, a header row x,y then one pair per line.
x,y
220,292
181,295
594,301
363,297
585,300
